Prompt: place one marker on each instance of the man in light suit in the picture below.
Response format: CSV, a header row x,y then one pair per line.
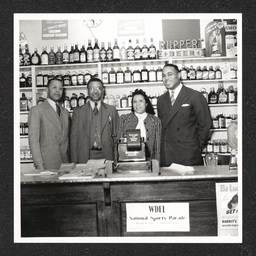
x,y
48,131
186,121
94,127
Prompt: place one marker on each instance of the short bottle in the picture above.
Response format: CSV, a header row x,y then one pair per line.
x,y
73,101
128,75
23,82
120,76
232,73
112,76
80,78
136,76
211,73
87,77
74,79
81,100
52,56
218,73
231,95
144,74
184,73
212,97
67,79
192,73
35,58
23,102
205,73
222,95
124,101
29,80
199,73
152,75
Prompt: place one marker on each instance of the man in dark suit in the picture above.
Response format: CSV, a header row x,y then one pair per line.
x,y
186,121
94,127
48,129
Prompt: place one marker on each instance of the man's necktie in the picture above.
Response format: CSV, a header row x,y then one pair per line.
x,y
172,97
95,110
58,109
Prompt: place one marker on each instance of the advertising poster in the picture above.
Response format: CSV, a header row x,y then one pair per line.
x,y
227,208
54,29
157,217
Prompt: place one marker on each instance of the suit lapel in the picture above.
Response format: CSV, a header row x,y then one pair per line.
x,y
104,115
52,116
86,116
177,104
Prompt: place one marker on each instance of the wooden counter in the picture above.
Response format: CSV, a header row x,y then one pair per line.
x,y
97,207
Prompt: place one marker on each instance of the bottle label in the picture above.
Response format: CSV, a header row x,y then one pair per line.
x,y
192,75
215,123
87,78
74,80
199,75
105,78
26,60
216,148
144,76
90,55
152,76
227,122
137,54
39,81
45,80
65,57
209,148
76,56
51,59
223,97
82,57
144,53
218,74
103,56
112,78
80,79
116,54
73,103
130,54
136,77
159,76
205,75
35,60
109,55
128,77
81,102
152,53
96,54
120,78
211,75
213,99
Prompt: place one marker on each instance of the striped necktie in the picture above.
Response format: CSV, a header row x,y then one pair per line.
x,y
95,110
172,97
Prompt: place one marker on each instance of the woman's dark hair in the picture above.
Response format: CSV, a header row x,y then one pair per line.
x,y
149,107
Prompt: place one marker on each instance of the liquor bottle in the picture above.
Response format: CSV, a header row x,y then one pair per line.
x,y
71,54
109,52
137,51
89,51
21,58
152,75
120,76
59,56
232,72
117,101
199,73
216,146
152,50
218,73
76,54
96,51
73,101
80,78
52,56
144,50
228,120
144,74
40,80
231,95
184,73
221,120
205,73
212,97
116,52
128,75
222,95
45,78
130,99
103,53
205,94
215,123
65,55
74,79
81,100
215,46
192,73
211,73
124,101
27,56
67,79
112,76
22,81
123,53
23,102
59,76
159,74
87,77
105,79
136,76
209,147
29,80
66,103
35,58
83,55
130,51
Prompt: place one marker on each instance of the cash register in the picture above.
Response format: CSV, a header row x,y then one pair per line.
x,y
132,157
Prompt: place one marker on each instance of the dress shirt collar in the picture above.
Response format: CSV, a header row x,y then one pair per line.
x,y
176,91
92,103
52,103
141,116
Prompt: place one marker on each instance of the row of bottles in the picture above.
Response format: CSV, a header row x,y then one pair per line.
x,y
25,153
222,121
208,73
23,128
217,146
25,81
89,54
68,79
221,96
128,76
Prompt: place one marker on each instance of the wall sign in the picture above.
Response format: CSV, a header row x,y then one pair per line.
x,y
157,217
131,27
227,208
54,29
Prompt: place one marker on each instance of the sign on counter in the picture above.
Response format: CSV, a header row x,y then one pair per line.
x,y
157,217
227,208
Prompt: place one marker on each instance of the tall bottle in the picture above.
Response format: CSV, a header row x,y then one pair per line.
x,y
109,52
152,50
83,55
52,56
116,52
35,58
137,51
44,56
59,55
123,53
96,51
23,82
103,53
65,55
144,50
192,73
130,51
76,54
27,56
89,51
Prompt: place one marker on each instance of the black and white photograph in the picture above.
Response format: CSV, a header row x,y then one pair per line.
x,y
128,128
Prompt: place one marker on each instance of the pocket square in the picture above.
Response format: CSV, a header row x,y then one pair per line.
x,y
185,105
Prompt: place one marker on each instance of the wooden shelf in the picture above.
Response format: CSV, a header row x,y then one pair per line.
x,y
134,84
24,112
209,80
223,105
26,161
